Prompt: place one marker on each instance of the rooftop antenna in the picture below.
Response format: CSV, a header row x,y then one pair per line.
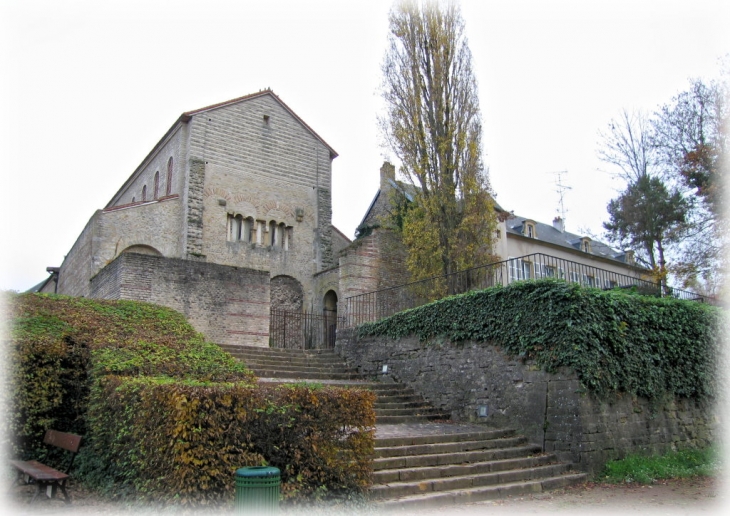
x,y
561,188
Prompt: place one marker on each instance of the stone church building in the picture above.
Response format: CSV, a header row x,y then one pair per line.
x,y
229,219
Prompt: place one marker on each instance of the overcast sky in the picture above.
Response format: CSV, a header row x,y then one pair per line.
x,y
88,87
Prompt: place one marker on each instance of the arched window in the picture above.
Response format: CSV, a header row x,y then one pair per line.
x,y
280,235
272,234
169,177
238,230
144,193
157,185
248,229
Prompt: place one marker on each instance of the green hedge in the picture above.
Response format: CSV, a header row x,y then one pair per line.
x,y
181,442
614,341
59,344
167,416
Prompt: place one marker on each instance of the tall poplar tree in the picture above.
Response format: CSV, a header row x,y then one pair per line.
x,y
433,126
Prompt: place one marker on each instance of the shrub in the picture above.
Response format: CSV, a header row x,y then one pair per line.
x,y
167,416
181,441
615,342
59,344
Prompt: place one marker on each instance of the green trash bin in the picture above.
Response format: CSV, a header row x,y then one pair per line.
x,y
258,489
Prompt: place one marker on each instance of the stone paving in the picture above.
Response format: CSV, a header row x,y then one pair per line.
x,y
416,429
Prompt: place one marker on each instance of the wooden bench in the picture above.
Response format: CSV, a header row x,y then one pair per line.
x,y
45,477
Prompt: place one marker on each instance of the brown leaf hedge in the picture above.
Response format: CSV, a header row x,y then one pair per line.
x,y
166,416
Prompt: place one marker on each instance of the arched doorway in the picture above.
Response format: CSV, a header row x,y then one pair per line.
x,y
329,318
287,326
286,294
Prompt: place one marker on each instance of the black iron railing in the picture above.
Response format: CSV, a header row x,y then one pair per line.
x,y
303,330
372,306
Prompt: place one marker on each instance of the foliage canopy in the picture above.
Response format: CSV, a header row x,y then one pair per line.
x,y
433,126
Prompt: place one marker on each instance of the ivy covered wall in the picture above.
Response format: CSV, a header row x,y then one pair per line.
x,y
591,375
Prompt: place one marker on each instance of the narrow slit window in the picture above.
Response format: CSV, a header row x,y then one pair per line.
x,y
169,177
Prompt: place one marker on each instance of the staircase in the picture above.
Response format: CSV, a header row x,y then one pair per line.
x,y
462,466
418,462
394,404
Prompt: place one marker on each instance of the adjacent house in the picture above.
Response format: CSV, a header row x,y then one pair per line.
x,y
530,249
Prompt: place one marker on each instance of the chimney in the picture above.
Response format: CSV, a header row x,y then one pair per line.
x,y
387,171
559,224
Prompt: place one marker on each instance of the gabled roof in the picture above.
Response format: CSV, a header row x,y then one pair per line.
x,y
188,115
185,117
406,189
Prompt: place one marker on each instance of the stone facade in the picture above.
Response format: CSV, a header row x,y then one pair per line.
x,y
551,409
243,185
226,304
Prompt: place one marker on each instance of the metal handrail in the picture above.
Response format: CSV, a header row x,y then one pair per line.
x,y
371,306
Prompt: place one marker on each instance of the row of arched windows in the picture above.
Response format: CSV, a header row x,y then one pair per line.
x,y
246,229
156,190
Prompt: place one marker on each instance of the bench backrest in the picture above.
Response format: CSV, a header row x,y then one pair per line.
x,y
63,440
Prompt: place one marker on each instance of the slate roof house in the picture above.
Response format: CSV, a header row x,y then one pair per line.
x,y
531,249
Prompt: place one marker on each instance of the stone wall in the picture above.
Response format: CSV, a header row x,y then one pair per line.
x,y
553,410
154,224
229,305
170,147
77,267
194,224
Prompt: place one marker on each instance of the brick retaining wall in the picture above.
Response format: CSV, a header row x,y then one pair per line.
x,y
229,305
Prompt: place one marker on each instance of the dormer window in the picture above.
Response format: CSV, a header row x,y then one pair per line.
x,y
585,244
529,229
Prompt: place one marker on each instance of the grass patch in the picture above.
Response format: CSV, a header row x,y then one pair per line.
x,y
680,464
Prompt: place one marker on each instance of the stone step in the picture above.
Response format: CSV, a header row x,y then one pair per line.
x,y
284,354
278,351
378,388
383,442
383,399
421,418
306,375
477,494
387,476
401,489
448,447
406,411
273,366
445,459
397,404
309,359
301,360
